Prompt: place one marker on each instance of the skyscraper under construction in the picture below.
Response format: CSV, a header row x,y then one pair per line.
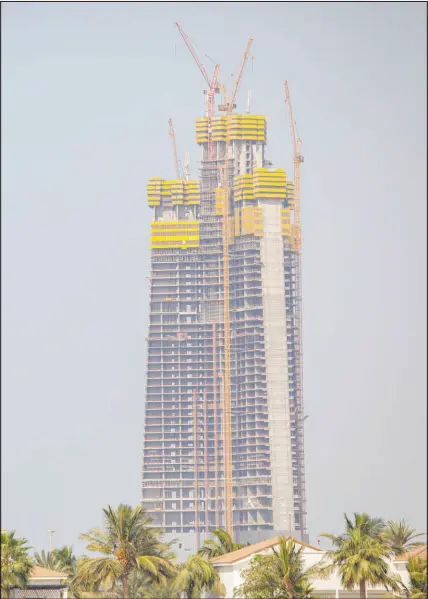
x,y
223,431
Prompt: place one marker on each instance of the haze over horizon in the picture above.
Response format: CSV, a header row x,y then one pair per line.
x,y
88,89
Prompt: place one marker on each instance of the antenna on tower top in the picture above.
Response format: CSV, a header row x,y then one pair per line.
x,y
248,109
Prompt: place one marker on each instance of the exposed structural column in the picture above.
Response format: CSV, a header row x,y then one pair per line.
x,y
226,378
276,367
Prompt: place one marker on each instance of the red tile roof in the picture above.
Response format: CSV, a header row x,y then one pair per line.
x,y
236,556
419,552
39,572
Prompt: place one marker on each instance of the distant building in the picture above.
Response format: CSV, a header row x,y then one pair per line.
x,y
419,553
43,584
231,566
223,432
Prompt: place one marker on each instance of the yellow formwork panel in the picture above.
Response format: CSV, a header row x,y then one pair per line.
x,y
218,126
286,226
174,234
246,128
270,184
232,127
175,191
237,222
243,188
251,219
262,184
219,201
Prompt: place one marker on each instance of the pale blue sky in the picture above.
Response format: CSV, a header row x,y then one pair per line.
x,y
87,90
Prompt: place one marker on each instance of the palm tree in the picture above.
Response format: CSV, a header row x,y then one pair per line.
x,y
138,583
16,564
61,560
47,560
360,556
400,536
289,564
66,558
196,577
127,535
280,574
417,569
371,527
211,548
162,590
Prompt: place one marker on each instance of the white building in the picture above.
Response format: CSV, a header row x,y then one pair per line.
x,y
231,566
43,584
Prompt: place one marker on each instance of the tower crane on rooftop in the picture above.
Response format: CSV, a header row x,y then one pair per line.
x,y
178,171
213,87
193,53
229,104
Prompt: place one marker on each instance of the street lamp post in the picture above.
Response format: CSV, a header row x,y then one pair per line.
x,y
51,533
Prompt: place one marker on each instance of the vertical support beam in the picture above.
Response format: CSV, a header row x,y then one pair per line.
x,y
206,460
226,379
216,464
195,459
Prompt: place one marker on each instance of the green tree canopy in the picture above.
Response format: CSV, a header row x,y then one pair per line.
x,y
223,543
16,563
196,577
361,555
127,544
417,569
280,574
400,536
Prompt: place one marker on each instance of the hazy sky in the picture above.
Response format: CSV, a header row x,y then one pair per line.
x,y
87,90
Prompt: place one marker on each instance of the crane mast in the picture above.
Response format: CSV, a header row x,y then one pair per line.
x,y
239,76
297,160
229,104
174,150
296,257
213,87
211,93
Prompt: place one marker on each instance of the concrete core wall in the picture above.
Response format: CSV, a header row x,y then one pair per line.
x,y
277,367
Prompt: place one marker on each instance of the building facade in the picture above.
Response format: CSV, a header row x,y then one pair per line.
x,y
43,584
231,567
224,366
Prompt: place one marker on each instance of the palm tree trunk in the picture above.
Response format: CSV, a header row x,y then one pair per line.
x,y
125,586
363,591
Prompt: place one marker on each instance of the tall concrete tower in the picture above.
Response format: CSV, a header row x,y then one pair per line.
x,y
223,431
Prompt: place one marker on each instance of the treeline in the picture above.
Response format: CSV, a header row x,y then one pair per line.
x,y
133,561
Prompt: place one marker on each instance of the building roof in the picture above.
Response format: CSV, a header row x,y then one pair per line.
x,y
39,572
419,552
239,554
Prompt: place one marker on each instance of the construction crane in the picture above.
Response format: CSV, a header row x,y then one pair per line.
x,y
229,105
178,170
210,112
297,160
213,87
193,53
296,247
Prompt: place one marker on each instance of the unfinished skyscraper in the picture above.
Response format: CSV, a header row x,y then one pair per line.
x,y
223,431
